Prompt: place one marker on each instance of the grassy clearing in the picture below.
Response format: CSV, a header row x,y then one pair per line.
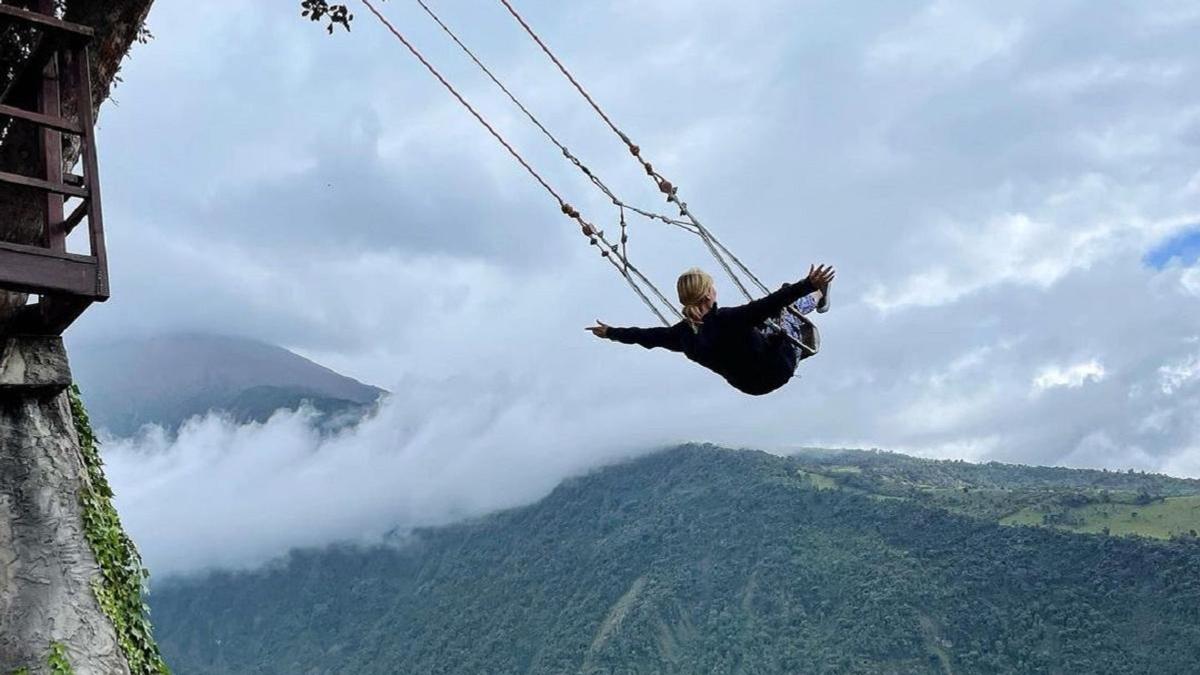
x,y
817,480
844,468
1173,516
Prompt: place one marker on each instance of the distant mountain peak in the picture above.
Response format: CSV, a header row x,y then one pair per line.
x,y
167,379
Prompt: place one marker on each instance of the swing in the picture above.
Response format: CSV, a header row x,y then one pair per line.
x,y
616,253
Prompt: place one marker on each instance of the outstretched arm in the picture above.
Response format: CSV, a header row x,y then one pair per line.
x,y
666,338
757,311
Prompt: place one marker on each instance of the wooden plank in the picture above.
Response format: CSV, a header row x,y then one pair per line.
x,y
73,31
50,105
30,269
37,183
91,169
56,123
59,311
72,221
25,249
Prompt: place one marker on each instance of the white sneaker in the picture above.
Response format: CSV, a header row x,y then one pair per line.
x,y
823,305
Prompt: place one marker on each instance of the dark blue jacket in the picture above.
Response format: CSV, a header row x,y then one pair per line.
x,y
729,343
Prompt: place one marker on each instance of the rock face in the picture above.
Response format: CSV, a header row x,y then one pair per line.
x,y
46,565
33,365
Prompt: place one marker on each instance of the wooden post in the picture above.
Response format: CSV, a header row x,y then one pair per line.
x,y
91,167
54,237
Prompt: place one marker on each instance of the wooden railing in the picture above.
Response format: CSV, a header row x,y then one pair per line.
x,y
66,283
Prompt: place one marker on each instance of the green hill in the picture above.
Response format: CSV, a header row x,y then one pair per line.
x,y
701,560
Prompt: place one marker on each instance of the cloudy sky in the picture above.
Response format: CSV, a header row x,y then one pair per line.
x,y
1010,192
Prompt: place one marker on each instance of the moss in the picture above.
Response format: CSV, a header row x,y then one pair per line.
x,y
122,579
57,660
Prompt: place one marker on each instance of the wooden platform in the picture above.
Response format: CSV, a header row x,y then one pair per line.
x,y
65,283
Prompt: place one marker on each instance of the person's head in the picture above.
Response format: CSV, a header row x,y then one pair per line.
x,y
697,294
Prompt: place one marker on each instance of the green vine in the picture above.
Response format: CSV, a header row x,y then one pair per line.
x,y
122,579
59,665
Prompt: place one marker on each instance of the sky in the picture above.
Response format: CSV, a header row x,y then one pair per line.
x,y
1010,193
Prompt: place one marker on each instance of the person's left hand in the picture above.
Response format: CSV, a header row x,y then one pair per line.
x,y
600,330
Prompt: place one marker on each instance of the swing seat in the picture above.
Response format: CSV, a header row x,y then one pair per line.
x,y
809,342
811,337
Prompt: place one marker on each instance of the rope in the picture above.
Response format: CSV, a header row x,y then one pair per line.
x,y
563,69
718,250
592,177
595,236
616,254
449,87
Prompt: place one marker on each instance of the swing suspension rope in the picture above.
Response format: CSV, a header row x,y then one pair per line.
x,y
596,237
566,152
616,254
718,250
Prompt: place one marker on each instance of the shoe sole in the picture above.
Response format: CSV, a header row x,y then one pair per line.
x,y
823,306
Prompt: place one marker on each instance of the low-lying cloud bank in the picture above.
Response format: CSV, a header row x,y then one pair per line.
x,y
227,495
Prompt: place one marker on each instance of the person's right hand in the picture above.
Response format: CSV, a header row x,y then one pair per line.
x,y
600,330
820,276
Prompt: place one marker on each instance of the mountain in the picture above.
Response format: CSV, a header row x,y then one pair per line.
x,y
168,379
703,560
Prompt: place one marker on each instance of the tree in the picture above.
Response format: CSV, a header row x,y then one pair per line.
x,y
334,15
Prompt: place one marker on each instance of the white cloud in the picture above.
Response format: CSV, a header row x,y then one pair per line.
x,y
956,259
1186,462
969,449
1071,377
1098,451
1012,248
945,38
1190,280
228,495
1175,376
1173,15
1140,137
1104,72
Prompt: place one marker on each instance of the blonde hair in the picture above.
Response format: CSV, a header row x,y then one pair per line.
x,y
694,287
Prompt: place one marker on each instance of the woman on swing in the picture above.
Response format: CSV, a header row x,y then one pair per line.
x,y
738,343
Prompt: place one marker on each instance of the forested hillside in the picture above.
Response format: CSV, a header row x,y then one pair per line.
x,y
706,560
